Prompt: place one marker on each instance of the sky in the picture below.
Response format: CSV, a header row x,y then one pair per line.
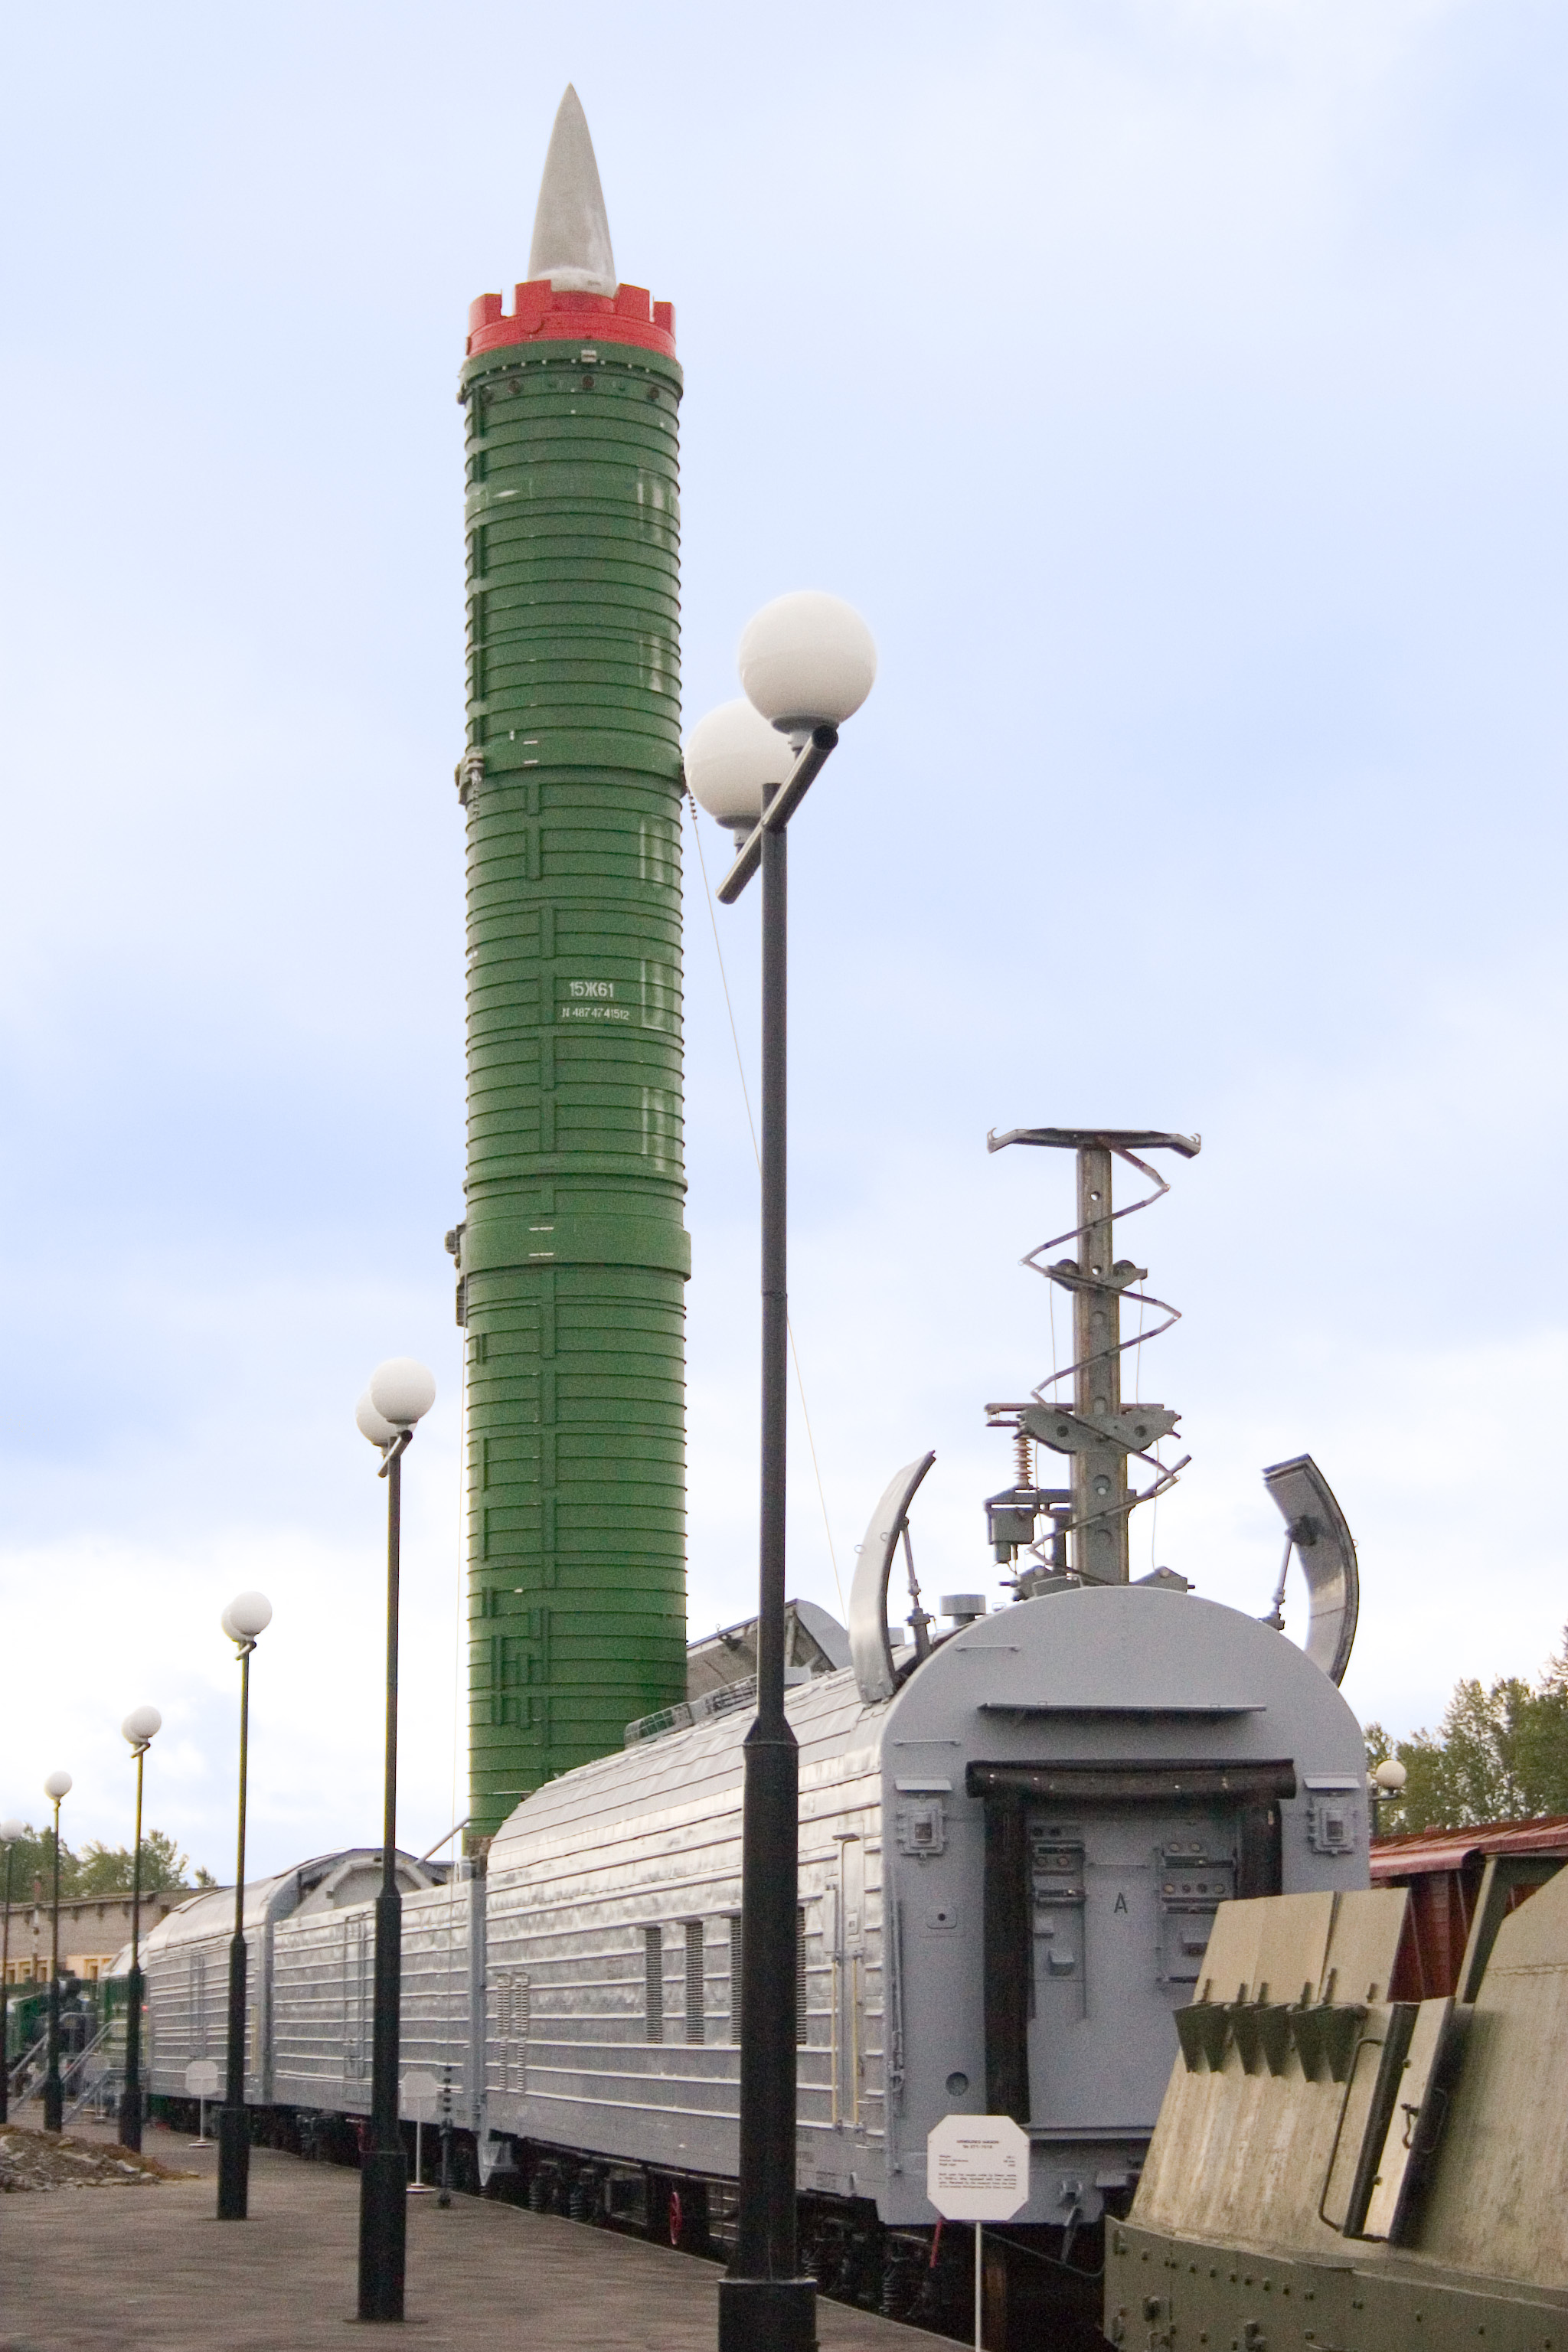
x,y
1177,389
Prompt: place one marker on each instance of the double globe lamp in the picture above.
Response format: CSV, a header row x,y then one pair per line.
x,y
399,1394
807,663
140,1727
10,1832
56,1788
245,1620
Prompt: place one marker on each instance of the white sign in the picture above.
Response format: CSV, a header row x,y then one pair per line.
x,y
977,2167
202,2078
421,2098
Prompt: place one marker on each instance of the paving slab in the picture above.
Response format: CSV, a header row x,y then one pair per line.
x,y
150,2269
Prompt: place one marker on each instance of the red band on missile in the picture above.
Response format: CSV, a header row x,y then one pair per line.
x,y
540,314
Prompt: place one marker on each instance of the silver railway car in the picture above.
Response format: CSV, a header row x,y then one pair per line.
x,y
294,2018
1008,1869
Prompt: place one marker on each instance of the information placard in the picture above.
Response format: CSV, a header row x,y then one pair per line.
x,y
977,2167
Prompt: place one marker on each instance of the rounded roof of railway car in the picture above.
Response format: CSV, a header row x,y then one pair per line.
x,y
1078,1667
211,1912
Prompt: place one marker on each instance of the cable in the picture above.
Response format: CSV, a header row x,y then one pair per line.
x,y
756,1154
453,1872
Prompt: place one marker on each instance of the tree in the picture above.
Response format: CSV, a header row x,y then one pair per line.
x,y
100,1869
33,1860
1500,1754
107,1870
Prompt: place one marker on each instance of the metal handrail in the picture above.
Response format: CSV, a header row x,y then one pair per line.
x,y
91,2090
16,2066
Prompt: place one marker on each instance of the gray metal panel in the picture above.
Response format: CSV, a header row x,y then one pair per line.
x,y
869,1650
1067,1698
187,2008
437,1930
321,1998
1326,1549
652,1839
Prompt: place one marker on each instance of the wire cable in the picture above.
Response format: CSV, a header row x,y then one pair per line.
x,y
756,1154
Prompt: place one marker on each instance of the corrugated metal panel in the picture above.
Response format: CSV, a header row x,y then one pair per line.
x,y
435,1969
322,1994
1396,1860
187,2011
632,1869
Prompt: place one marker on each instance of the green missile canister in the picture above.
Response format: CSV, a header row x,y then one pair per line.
x,y
572,1256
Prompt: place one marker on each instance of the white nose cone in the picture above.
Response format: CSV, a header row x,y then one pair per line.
x,y
734,760
571,229
807,660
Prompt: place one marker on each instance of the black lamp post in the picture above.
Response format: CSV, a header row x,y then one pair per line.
x,y
244,1620
140,1728
806,662
401,1392
10,1832
57,1786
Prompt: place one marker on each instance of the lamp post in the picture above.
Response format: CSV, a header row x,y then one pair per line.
x,y
401,1392
1386,1781
807,663
9,1831
140,1728
57,1786
244,1620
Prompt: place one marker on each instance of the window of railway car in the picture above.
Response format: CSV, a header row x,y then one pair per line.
x,y
694,1979
653,1981
801,2007
734,1976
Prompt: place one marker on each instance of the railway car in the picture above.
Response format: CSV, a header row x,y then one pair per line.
x,y
1008,1869
307,2014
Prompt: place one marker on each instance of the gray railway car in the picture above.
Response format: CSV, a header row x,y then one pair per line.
x,y
1008,1870
300,2020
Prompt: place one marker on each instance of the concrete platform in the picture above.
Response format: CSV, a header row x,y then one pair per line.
x,y
150,2269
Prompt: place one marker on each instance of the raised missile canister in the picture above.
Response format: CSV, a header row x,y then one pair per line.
x,y
572,1256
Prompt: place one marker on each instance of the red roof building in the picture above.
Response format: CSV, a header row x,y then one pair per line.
x,y
1443,1870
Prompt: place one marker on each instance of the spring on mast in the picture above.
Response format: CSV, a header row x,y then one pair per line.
x,y
1097,1432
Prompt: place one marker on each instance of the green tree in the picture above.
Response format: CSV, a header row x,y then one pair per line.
x,y
1500,1754
106,1870
33,1858
98,1869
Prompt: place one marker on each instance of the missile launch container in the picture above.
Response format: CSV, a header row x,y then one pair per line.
x,y
572,1255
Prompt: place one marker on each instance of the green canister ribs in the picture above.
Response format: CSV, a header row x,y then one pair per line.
x,y
572,1256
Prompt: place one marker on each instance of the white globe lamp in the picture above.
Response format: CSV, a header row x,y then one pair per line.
x,y
373,1425
57,1785
248,1616
402,1392
806,660
735,762
1390,1777
143,1723
11,1831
